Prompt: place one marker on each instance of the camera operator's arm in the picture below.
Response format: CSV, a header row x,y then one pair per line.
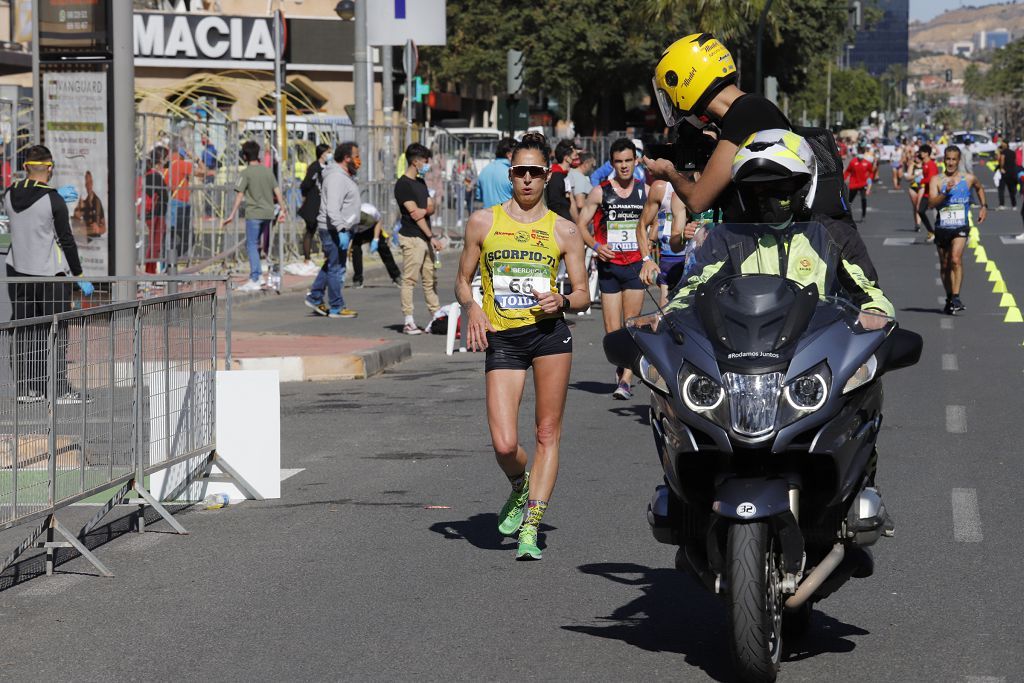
x,y
699,196
583,222
648,220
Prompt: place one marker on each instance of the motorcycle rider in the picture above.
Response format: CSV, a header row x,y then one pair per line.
x,y
774,173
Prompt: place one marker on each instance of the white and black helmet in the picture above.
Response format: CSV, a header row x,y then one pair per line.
x,y
780,158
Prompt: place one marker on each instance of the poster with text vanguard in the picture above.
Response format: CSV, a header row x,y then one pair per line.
x,y
75,121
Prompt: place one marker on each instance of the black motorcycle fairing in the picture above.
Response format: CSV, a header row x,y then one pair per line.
x,y
754,321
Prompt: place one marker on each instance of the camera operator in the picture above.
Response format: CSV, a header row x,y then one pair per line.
x,y
695,82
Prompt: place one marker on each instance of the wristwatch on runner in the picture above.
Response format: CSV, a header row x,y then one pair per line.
x,y
566,304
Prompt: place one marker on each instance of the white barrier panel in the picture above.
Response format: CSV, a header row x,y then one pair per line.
x,y
248,438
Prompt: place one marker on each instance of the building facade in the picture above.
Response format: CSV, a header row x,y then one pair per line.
x,y
885,43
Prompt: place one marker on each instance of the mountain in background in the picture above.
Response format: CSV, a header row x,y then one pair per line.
x,y
958,25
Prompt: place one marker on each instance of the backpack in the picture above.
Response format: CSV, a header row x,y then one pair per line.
x,y
832,195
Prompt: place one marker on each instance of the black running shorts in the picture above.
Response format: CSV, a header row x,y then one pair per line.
x,y
613,278
515,349
944,236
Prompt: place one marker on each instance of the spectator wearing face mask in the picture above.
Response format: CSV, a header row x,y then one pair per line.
x,y
416,237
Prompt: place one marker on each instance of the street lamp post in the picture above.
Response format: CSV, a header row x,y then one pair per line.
x,y
349,10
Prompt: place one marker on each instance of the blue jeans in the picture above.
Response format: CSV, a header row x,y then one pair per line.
x,y
179,229
332,275
253,228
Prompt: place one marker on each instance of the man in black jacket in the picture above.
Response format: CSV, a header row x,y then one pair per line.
x,y
43,246
310,189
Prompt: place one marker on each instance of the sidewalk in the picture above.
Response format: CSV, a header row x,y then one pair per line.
x,y
273,331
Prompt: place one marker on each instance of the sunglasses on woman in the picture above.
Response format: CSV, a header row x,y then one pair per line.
x,y
520,171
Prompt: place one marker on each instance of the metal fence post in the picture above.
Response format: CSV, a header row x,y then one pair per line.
x,y
84,394
51,381
16,369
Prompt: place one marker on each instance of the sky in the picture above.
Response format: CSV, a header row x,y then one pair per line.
x,y
924,10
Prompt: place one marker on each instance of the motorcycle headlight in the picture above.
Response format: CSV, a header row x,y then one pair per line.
x,y
806,393
701,393
651,377
865,373
753,402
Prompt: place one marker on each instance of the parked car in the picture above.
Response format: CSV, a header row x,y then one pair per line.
x,y
981,144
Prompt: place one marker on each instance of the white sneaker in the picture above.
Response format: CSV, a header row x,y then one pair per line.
x,y
410,328
250,286
310,269
295,268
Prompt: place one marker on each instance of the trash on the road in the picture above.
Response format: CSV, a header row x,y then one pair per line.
x,y
216,501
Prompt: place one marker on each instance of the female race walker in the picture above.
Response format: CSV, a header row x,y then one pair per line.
x,y
518,246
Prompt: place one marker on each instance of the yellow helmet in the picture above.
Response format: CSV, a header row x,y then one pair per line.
x,y
691,72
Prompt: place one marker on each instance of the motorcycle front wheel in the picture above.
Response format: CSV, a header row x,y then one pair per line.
x,y
756,601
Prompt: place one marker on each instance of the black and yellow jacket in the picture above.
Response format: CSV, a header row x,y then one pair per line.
x,y
824,251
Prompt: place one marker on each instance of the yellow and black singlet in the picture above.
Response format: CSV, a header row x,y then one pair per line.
x,y
516,259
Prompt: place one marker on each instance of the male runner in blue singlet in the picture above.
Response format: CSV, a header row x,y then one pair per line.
x,y
950,193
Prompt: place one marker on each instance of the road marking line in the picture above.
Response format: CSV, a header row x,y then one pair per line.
x,y
956,419
938,267
966,518
1010,240
949,362
938,281
941,300
898,241
946,323
289,473
986,679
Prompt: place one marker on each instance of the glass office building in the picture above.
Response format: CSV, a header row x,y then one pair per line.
x,y
885,43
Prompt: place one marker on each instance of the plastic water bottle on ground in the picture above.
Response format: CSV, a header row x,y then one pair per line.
x,y
437,260
216,501
275,277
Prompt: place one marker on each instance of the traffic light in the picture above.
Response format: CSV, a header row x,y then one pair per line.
x,y
515,61
949,75
419,89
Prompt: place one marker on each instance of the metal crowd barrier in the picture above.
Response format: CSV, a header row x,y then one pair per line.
x,y
94,400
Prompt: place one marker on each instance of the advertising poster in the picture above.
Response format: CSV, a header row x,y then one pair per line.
x,y
75,120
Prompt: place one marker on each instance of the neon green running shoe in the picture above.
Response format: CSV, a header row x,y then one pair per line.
x,y
528,549
511,516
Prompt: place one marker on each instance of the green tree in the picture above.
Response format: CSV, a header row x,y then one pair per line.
x,y
597,51
854,92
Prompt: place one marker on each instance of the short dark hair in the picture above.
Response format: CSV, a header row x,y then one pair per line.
x,y
39,153
157,156
250,151
417,151
320,149
505,147
621,145
953,148
925,149
585,157
535,141
563,149
344,150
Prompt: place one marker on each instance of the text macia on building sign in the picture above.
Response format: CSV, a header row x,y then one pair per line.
x,y
183,36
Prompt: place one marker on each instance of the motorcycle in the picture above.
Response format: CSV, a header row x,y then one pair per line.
x,y
766,403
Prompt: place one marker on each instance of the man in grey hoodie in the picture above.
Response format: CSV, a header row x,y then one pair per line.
x,y
339,212
42,246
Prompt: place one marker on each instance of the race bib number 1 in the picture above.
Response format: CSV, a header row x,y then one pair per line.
x,y
622,235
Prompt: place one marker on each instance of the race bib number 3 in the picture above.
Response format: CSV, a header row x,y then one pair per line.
x,y
953,216
515,283
622,236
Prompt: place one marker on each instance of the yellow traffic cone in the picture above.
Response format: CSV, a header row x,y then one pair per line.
x,y
1007,300
995,275
990,266
1013,315
999,287
980,256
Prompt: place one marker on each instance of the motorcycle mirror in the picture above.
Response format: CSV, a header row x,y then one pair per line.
x,y
901,349
620,349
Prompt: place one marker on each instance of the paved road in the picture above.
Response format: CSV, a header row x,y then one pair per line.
x,y
381,562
